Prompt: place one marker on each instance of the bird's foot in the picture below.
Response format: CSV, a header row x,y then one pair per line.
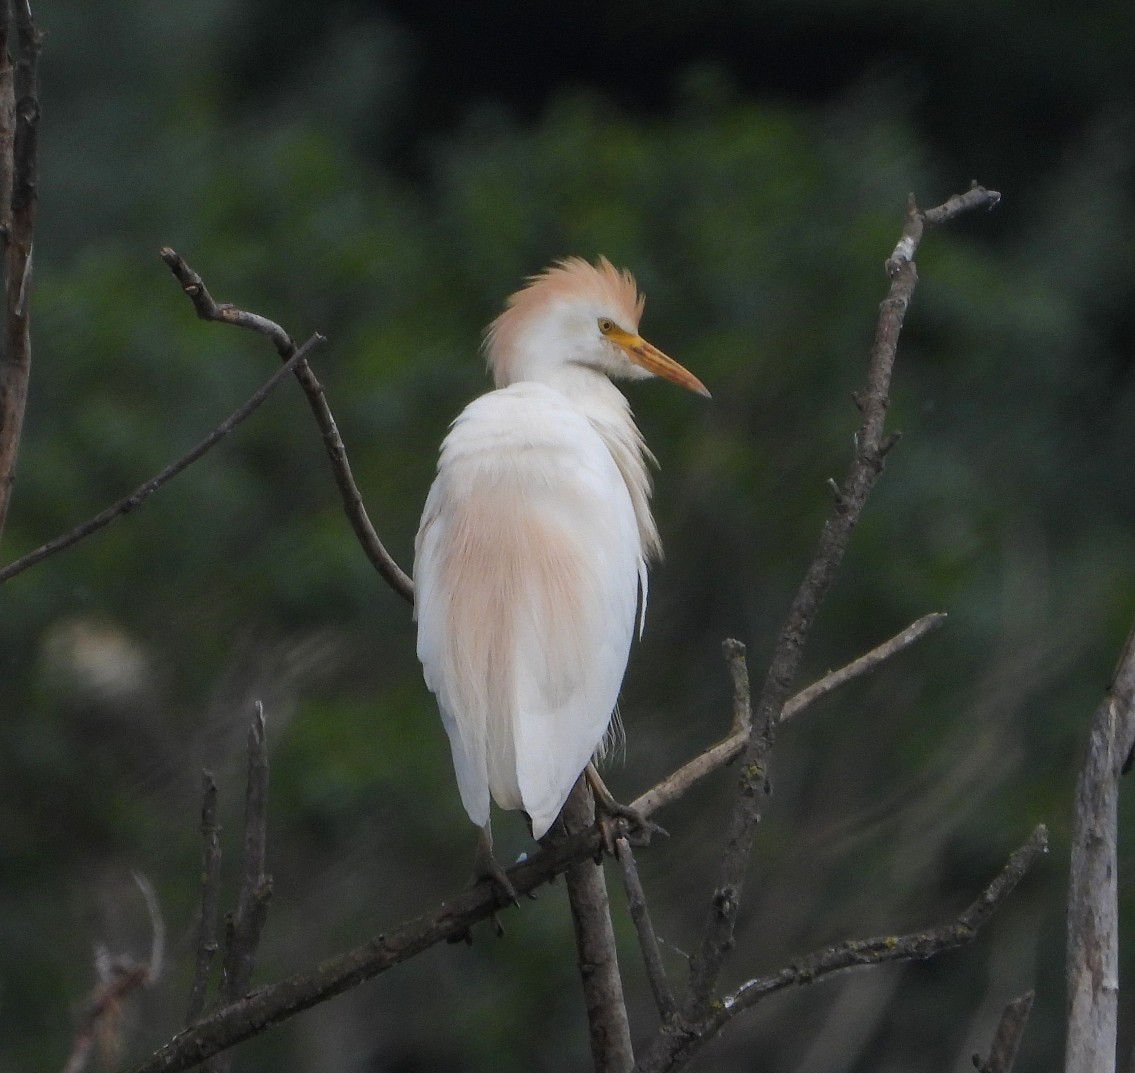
x,y
487,868
616,820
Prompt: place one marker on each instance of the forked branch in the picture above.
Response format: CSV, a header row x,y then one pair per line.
x,y
143,492
678,1042
270,1005
872,444
209,309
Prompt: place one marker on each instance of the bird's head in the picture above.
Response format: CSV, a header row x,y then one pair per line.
x,y
577,314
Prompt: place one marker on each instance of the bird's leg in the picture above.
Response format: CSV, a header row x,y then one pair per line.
x,y
608,813
486,866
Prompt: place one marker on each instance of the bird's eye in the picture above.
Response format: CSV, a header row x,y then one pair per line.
x,y
606,326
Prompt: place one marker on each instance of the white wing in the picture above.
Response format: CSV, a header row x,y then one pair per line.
x,y
527,568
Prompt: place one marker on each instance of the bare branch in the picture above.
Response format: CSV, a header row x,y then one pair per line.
x,y
118,977
266,1006
256,886
450,921
976,197
7,121
210,897
598,961
724,752
1007,1039
679,1040
19,113
863,665
147,489
734,652
208,309
1093,909
871,448
644,927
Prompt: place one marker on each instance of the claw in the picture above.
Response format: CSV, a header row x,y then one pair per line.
x,y
615,819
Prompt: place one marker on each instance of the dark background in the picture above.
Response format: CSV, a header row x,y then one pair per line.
x,y
386,175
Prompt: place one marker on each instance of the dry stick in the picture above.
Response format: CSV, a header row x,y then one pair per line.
x,y
608,1028
668,1053
1007,1039
865,663
675,785
256,886
644,927
118,977
208,309
279,1001
244,926
210,897
157,929
18,217
270,1005
147,489
7,120
1093,911
872,446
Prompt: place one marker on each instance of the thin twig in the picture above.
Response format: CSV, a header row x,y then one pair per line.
x,y
208,309
256,886
678,1040
148,488
863,665
157,929
1010,1029
724,752
1093,910
210,897
118,977
734,652
871,448
644,928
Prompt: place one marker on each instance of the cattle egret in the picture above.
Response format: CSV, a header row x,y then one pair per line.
x,y
530,562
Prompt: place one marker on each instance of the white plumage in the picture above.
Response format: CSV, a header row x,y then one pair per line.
x,y
531,556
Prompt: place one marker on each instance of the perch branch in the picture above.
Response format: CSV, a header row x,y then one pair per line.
x,y
208,309
724,752
678,1041
871,448
1010,1029
451,921
19,130
597,955
147,489
1093,910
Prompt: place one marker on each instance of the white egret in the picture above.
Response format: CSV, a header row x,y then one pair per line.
x,y
531,558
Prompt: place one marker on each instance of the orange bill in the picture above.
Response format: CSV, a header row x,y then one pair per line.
x,y
652,359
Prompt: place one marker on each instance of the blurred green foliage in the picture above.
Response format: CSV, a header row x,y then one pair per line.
x,y
758,228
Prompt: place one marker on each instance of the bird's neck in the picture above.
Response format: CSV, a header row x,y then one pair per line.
x,y
609,413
